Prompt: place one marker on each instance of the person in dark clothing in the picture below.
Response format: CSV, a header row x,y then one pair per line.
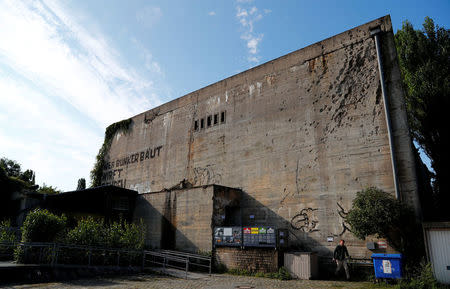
x,y
340,254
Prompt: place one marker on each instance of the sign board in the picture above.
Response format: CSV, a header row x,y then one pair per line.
x,y
382,244
387,268
264,236
228,236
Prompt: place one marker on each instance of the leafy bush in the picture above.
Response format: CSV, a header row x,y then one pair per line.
x,y
375,212
283,274
132,236
91,232
39,226
88,232
423,279
6,235
43,226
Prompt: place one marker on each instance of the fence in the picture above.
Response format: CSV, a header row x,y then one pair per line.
x,y
63,255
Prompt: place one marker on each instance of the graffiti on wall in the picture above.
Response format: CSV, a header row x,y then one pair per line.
x,y
305,220
342,214
205,176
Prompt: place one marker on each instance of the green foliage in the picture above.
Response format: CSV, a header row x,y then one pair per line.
x,y
424,57
6,235
81,184
91,232
375,212
11,167
97,171
221,268
281,274
42,226
422,279
48,190
88,232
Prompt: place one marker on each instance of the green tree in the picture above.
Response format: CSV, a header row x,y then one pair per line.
x,y
81,184
48,190
11,167
424,57
376,212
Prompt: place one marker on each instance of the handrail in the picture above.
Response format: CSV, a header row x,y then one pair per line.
x,y
53,257
197,256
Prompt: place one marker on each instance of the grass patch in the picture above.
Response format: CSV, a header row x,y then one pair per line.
x,y
281,274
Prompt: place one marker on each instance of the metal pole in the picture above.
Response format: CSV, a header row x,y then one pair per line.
x,y
210,260
376,33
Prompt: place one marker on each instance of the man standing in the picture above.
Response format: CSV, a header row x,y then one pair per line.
x,y
340,255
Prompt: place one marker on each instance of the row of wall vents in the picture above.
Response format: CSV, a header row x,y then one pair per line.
x,y
210,121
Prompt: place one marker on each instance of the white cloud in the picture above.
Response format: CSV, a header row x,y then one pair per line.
x,y
247,18
48,61
212,13
149,16
253,59
252,44
150,64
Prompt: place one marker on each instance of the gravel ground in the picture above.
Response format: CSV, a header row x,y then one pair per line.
x,y
216,281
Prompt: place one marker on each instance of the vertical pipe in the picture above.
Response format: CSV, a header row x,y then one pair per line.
x,y
376,33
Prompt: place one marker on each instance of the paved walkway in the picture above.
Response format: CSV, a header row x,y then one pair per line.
x,y
215,281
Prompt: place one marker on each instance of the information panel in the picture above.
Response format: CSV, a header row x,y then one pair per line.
x,y
228,236
260,237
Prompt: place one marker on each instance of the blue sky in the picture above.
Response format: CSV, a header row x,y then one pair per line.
x,y
70,68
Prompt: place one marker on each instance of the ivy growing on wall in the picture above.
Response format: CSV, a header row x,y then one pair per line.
x,y
97,171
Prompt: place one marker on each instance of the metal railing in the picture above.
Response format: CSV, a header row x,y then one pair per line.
x,y
193,260
63,255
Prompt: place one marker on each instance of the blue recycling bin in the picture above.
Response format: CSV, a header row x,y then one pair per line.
x,y
387,265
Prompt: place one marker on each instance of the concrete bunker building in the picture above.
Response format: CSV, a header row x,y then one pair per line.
x,y
287,143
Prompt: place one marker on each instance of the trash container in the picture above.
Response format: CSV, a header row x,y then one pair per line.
x,y
387,265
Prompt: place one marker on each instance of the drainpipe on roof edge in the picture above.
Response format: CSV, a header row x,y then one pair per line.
x,y
376,32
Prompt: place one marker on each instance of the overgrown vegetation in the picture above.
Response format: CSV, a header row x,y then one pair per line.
x,y
6,236
375,212
40,226
97,171
91,232
281,274
43,226
424,58
422,278
12,179
44,189
81,185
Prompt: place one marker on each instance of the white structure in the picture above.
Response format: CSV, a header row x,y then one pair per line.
x,y
437,242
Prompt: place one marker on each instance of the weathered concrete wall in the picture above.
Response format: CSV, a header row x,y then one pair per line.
x,y
179,219
183,219
301,135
